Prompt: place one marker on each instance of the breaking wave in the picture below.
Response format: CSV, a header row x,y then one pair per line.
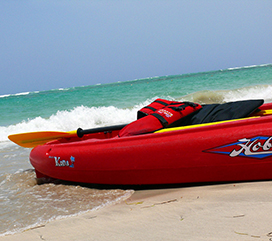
x,y
222,96
92,117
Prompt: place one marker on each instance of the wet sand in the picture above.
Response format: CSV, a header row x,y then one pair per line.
x,y
233,211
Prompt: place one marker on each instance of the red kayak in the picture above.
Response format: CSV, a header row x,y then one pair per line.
x,y
218,151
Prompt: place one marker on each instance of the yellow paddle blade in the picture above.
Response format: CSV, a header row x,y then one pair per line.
x,y
32,139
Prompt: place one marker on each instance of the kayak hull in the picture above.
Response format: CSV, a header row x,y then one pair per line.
x,y
237,150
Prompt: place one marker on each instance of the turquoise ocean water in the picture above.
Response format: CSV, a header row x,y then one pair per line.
x,y
24,204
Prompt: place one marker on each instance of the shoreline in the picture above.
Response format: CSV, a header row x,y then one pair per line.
x,y
233,211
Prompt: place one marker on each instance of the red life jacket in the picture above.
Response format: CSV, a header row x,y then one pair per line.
x,y
159,118
155,105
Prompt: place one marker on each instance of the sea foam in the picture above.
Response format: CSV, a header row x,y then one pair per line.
x,y
81,116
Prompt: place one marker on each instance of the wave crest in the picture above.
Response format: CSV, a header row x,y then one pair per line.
x,y
223,96
81,116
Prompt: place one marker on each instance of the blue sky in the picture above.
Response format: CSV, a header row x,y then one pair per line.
x,y
48,44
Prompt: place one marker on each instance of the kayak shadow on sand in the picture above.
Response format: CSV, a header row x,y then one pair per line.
x,y
41,181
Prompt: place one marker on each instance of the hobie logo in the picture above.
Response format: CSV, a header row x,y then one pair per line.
x,y
63,163
256,147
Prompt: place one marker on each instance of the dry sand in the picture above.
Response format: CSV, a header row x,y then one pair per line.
x,y
236,211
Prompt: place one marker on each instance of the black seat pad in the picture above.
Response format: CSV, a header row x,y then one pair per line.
x,y
227,111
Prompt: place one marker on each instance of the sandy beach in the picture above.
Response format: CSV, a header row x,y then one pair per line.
x,y
233,211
